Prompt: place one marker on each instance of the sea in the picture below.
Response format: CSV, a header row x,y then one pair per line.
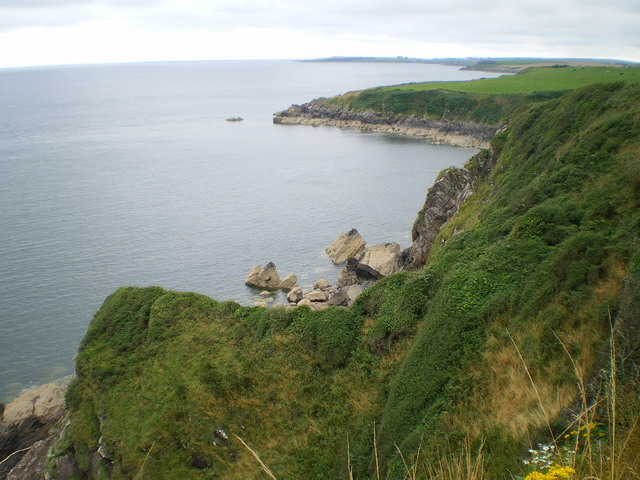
x,y
128,174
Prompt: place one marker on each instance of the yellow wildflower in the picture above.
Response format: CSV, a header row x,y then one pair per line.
x,y
554,473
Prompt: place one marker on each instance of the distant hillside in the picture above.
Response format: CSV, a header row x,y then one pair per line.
x,y
507,65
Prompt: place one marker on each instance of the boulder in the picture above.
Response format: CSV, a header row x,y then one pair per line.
x,y
321,284
263,277
295,295
346,246
353,292
339,298
316,296
304,301
289,282
385,258
357,273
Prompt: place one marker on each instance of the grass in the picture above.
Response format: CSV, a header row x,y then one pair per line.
x,y
547,249
533,80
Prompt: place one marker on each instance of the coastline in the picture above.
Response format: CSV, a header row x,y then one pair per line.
x,y
321,112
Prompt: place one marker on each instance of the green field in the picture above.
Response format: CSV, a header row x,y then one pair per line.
x,y
534,80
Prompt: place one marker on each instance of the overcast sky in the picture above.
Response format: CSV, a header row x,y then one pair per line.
x,y
40,32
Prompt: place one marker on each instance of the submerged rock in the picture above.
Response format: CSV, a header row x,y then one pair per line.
x,y
347,245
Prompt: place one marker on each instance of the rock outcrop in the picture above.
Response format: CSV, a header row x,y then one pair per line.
x,y
25,430
452,187
321,112
267,277
347,245
356,273
384,258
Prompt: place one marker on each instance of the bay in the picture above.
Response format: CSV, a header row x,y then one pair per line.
x,y
114,175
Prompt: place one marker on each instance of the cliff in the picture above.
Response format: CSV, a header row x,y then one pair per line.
x,y
321,112
450,190
520,328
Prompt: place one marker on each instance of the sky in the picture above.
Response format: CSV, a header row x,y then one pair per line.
x,y
50,32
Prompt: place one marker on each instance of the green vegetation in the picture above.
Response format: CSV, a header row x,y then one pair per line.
x,y
484,101
480,350
534,80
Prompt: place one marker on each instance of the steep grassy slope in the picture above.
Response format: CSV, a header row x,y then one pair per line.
x,y
529,271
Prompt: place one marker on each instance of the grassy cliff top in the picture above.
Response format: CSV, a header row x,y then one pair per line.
x,y
484,101
534,80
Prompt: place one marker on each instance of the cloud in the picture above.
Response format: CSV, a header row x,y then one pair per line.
x,y
478,27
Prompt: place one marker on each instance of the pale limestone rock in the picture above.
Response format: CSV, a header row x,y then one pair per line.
x,y
346,246
295,295
265,293
260,304
264,277
289,282
303,302
385,258
42,401
316,296
321,284
353,292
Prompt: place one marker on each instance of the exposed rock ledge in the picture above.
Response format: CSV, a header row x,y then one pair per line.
x,y
452,187
321,112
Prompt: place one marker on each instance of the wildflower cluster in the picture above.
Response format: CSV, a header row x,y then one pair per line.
x,y
554,473
547,463
588,432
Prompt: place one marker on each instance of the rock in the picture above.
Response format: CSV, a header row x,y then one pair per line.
x,y
295,295
346,246
289,282
265,293
339,298
43,401
321,284
268,300
385,258
353,292
346,277
304,302
357,273
316,296
260,304
263,277
32,465
321,112
444,198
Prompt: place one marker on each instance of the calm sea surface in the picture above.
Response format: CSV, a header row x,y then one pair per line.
x,y
129,175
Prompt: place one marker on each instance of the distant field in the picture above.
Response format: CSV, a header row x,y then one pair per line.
x,y
534,80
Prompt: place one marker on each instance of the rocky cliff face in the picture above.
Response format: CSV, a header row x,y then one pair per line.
x,y
452,187
321,112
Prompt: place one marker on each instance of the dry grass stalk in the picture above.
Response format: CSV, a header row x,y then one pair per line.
x,y
255,455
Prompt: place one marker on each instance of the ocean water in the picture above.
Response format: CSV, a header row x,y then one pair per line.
x,y
114,175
